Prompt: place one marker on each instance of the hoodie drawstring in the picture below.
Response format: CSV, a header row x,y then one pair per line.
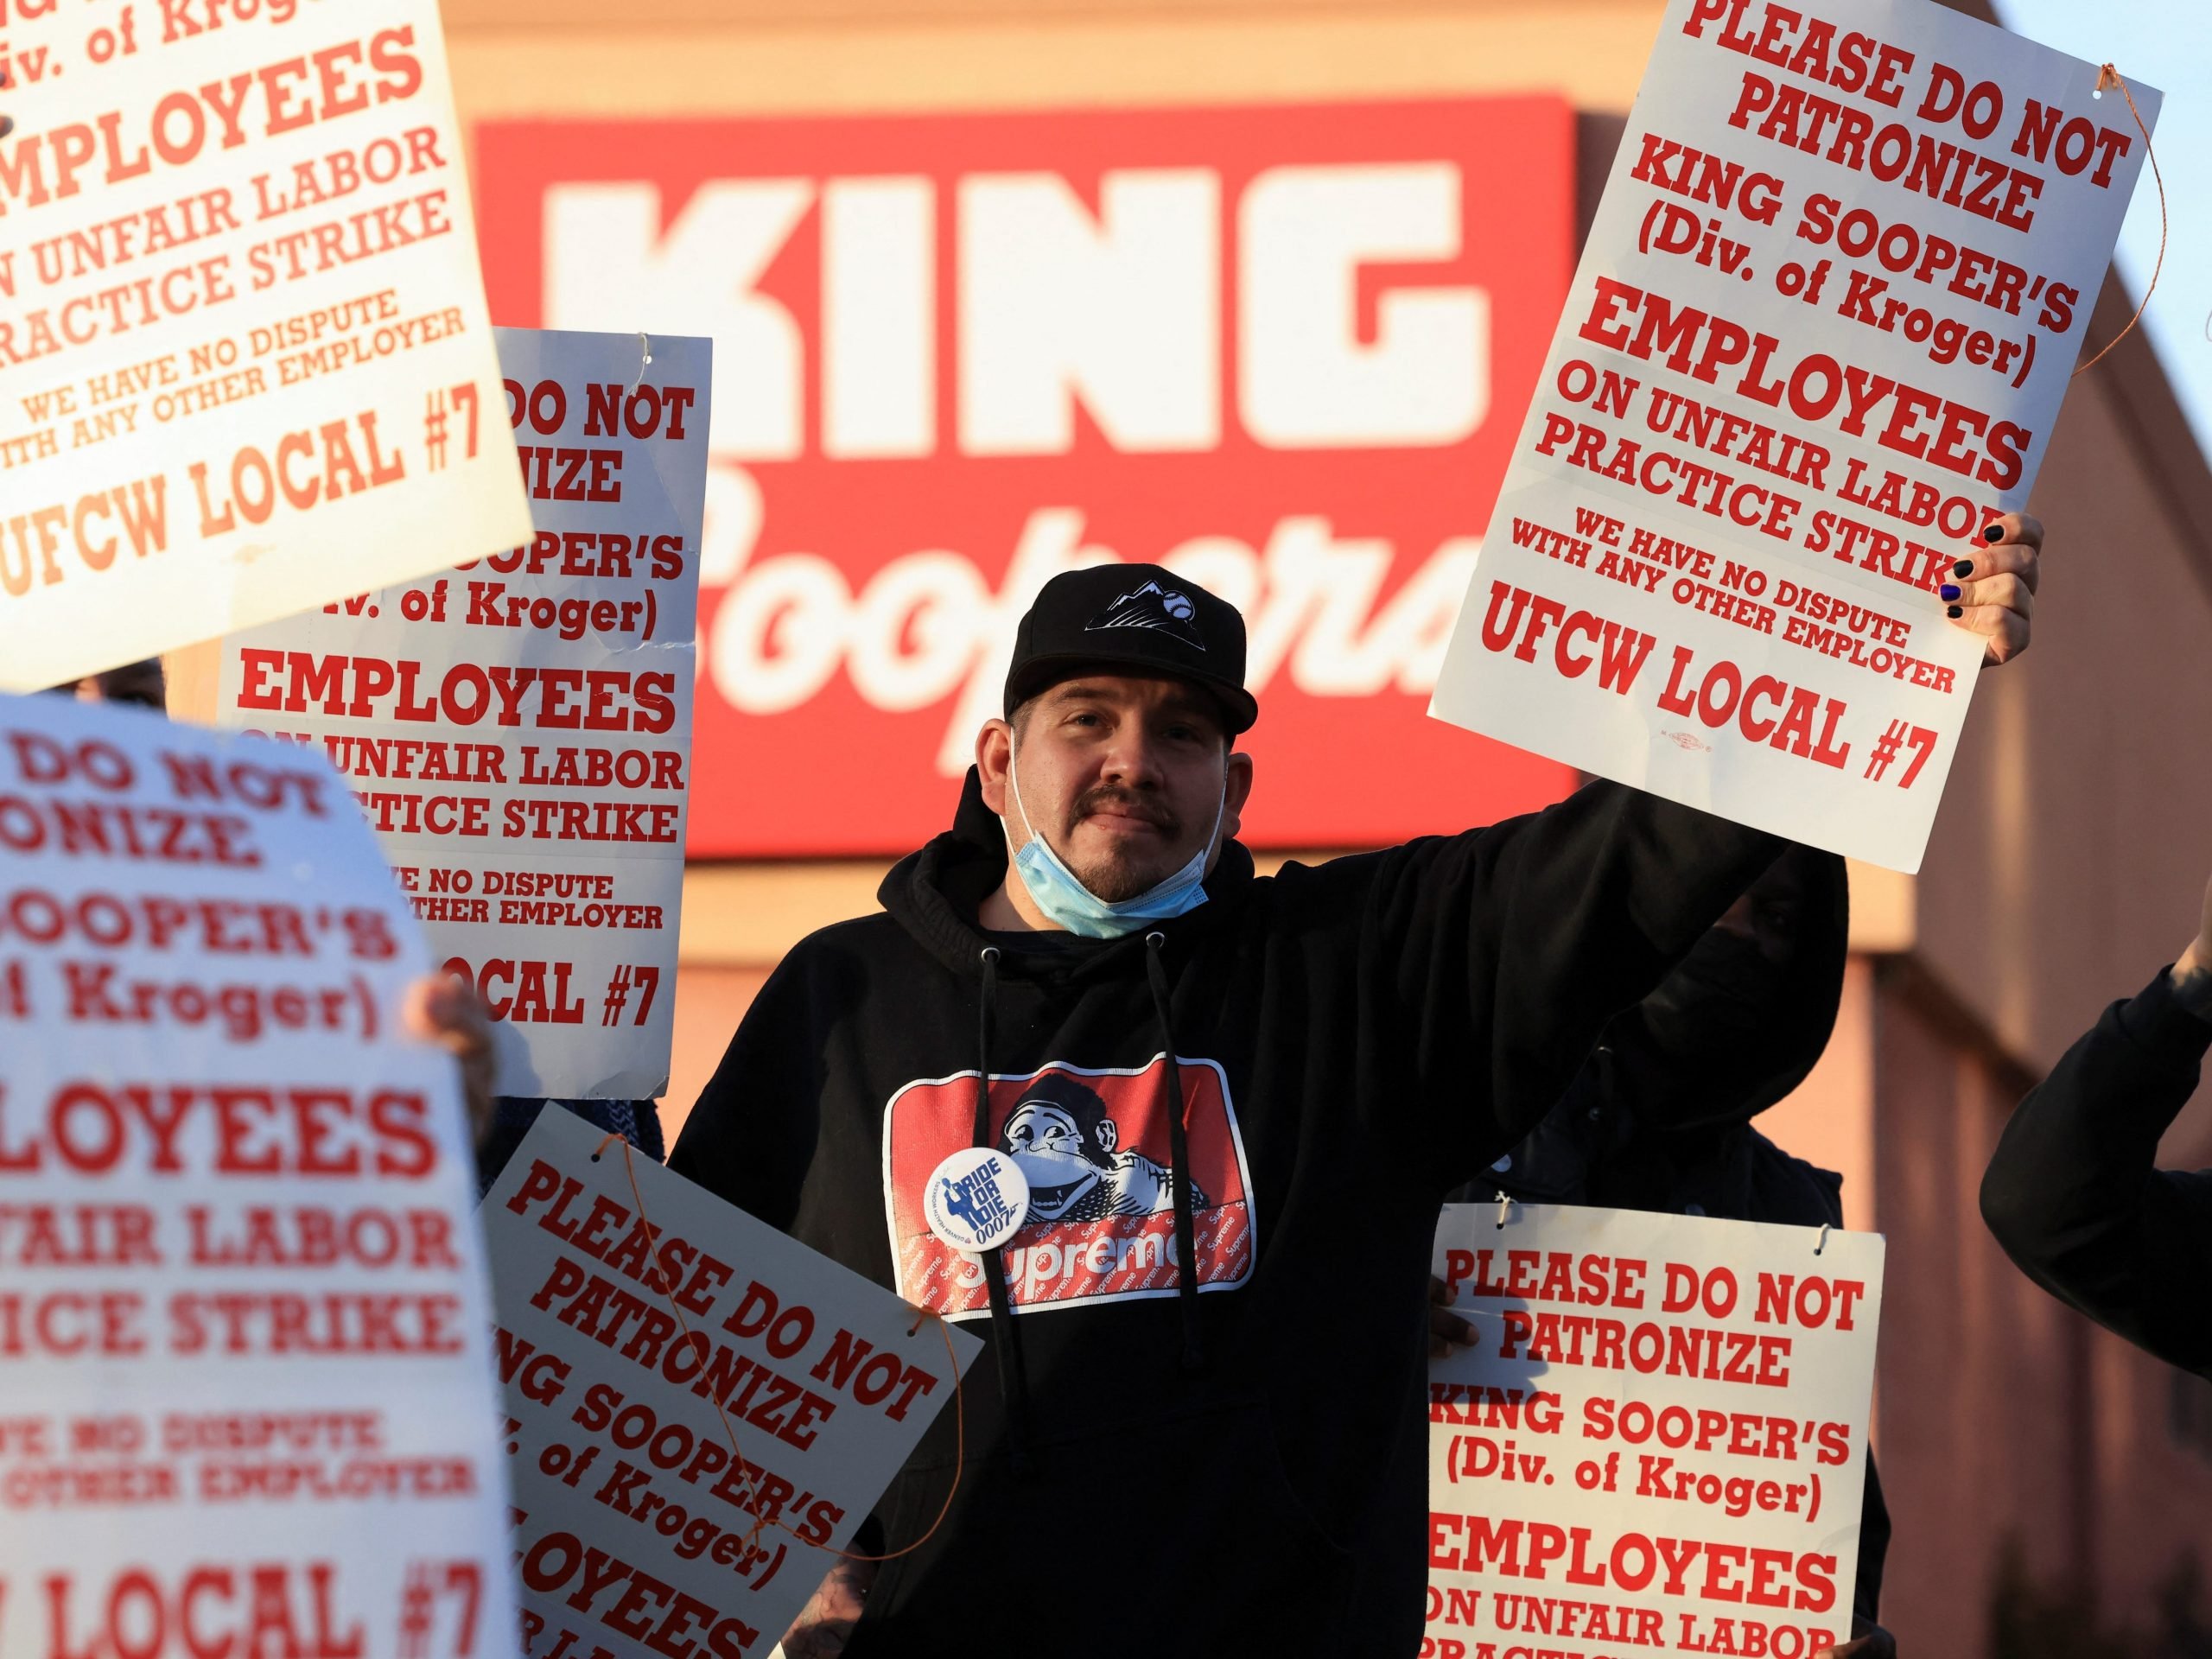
x,y
1179,1144
1006,1343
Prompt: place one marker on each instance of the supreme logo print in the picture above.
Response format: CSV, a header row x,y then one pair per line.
x,y
1093,1146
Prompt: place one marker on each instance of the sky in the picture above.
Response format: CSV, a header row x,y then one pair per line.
x,y
2168,45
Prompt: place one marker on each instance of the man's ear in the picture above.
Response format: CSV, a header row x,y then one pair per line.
x,y
993,754
1106,1135
1237,788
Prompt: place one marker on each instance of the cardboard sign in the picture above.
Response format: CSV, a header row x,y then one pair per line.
x,y
518,730
243,1315
699,1410
1282,347
247,362
1817,341
1658,1443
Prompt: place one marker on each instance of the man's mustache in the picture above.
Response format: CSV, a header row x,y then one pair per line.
x,y
1113,797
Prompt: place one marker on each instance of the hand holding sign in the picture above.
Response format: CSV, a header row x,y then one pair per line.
x,y
2192,971
1992,589
1868,1641
1447,1332
825,1623
447,1011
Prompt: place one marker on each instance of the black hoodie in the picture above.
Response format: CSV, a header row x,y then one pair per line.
x,y
1659,1116
2074,1194
1150,1468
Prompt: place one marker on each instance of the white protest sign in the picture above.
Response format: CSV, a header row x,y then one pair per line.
x,y
701,1410
518,730
249,1405
1658,1442
246,365
1817,341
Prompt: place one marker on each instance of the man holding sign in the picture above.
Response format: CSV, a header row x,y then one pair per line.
x,y
1191,1124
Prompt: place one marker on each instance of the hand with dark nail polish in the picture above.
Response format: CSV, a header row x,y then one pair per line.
x,y
1953,611
1994,584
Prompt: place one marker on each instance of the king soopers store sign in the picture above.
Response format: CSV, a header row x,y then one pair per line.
x,y
1282,349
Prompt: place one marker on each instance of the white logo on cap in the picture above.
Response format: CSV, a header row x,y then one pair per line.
x,y
1151,606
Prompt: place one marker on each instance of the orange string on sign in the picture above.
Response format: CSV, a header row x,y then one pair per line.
x,y
2108,78
759,1522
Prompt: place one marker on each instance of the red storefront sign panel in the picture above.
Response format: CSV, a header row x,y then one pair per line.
x,y
1283,349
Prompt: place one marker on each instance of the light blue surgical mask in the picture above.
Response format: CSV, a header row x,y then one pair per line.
x,y
1061,895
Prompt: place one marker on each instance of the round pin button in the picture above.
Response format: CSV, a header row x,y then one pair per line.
x,y
976,1199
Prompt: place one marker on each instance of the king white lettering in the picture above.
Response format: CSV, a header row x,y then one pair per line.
x,y
1121,309
1308,382
929,626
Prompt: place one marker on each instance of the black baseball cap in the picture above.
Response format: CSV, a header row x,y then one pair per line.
x,y
1137,619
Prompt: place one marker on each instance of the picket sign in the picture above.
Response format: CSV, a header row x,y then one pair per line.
x,y
1657,1443
701,1410
244,1348
249,366
518,729
1816,344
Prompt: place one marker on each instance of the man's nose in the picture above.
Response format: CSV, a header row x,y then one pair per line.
x,y
1134,761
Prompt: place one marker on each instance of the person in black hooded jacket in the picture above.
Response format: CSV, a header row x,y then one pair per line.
x,y
1199,1431
1660,1116
2073,1191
